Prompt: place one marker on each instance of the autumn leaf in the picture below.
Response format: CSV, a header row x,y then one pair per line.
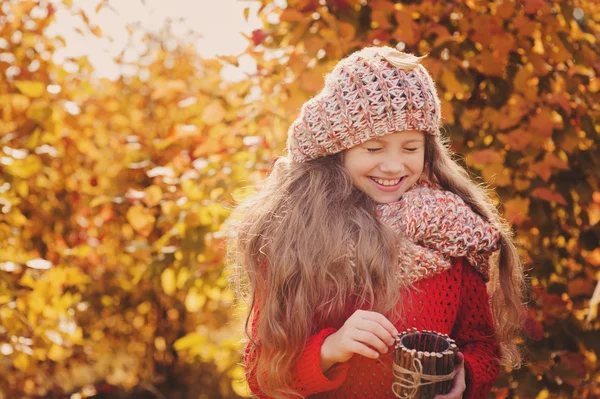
x,y
214,113
516,210
484,157
190,340
311,81
549,195
258,36
167,279
194,300
30,88
141,220
116,191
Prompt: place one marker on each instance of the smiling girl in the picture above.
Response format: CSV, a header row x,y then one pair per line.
x,y
366,228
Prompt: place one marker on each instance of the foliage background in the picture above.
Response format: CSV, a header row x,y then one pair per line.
x,y
113,194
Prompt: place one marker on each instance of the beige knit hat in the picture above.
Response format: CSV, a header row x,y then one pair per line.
x,y
372,92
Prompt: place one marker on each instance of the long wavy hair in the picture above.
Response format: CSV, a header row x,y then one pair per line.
x,y
309,241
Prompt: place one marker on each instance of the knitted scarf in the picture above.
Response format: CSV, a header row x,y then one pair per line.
x,y
438,225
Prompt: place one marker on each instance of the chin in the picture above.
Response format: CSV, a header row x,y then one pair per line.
x,y
382,199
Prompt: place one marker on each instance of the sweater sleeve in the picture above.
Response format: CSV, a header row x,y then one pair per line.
x,y
307,376
475,334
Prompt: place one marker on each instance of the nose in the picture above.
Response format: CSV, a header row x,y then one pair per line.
x,y
392,165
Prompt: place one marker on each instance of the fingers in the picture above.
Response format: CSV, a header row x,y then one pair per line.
x,y
371,339
365,333
459,386
362,349
378,330
379,318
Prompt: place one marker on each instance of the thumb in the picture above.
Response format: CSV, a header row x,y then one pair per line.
x,y
459,358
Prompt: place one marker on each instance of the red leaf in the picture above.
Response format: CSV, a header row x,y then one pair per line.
x,y
533,328
541,122
532,6
548,195
258,36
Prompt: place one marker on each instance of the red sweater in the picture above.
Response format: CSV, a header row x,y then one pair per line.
x,y
454,302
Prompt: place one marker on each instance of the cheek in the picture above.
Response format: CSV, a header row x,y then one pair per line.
x,y
418,164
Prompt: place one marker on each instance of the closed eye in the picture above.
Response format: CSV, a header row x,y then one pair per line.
x,y
411,149
373,149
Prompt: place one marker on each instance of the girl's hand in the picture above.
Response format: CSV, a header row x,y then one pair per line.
x,y
365,333
459,380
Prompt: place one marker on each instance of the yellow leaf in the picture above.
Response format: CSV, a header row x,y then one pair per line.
x,y
22,188
593,307
21,361
167,280
141,220
240,387
214,113
101,200
199,217
543,394
153,195
57,353
183,277
97,31
25,168
101,5
594,214
192,190
194,300
30,88
188,341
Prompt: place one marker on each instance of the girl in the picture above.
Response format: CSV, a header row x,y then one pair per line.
x,y
369,228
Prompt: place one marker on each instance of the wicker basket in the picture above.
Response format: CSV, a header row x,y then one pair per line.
x,y
423,364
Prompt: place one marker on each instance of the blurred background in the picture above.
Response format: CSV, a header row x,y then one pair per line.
x,y
129,127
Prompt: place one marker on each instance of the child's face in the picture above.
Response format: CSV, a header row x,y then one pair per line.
x,y
396,160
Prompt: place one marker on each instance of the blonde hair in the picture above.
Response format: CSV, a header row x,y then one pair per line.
x,y
303,245
507,282
309,240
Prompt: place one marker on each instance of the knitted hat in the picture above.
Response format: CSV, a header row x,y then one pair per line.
x,y
371,93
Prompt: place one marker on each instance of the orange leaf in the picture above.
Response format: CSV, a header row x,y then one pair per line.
x,y
484,157
542,122
291,15
548,195
347,31
448,112
451,83
311,81
497,174
512,112
516,210
580,286
141,220
214,113
517,139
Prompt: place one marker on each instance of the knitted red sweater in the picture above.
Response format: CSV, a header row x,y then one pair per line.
x,y
454,302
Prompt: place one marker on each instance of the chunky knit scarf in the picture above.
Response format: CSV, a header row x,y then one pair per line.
x,y
438,225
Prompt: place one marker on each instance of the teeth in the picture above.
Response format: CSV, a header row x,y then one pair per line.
x,y
387,182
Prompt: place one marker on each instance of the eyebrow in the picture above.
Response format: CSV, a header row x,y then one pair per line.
x,y
406,142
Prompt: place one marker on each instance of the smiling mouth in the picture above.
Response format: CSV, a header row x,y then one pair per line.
x,y
387,182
